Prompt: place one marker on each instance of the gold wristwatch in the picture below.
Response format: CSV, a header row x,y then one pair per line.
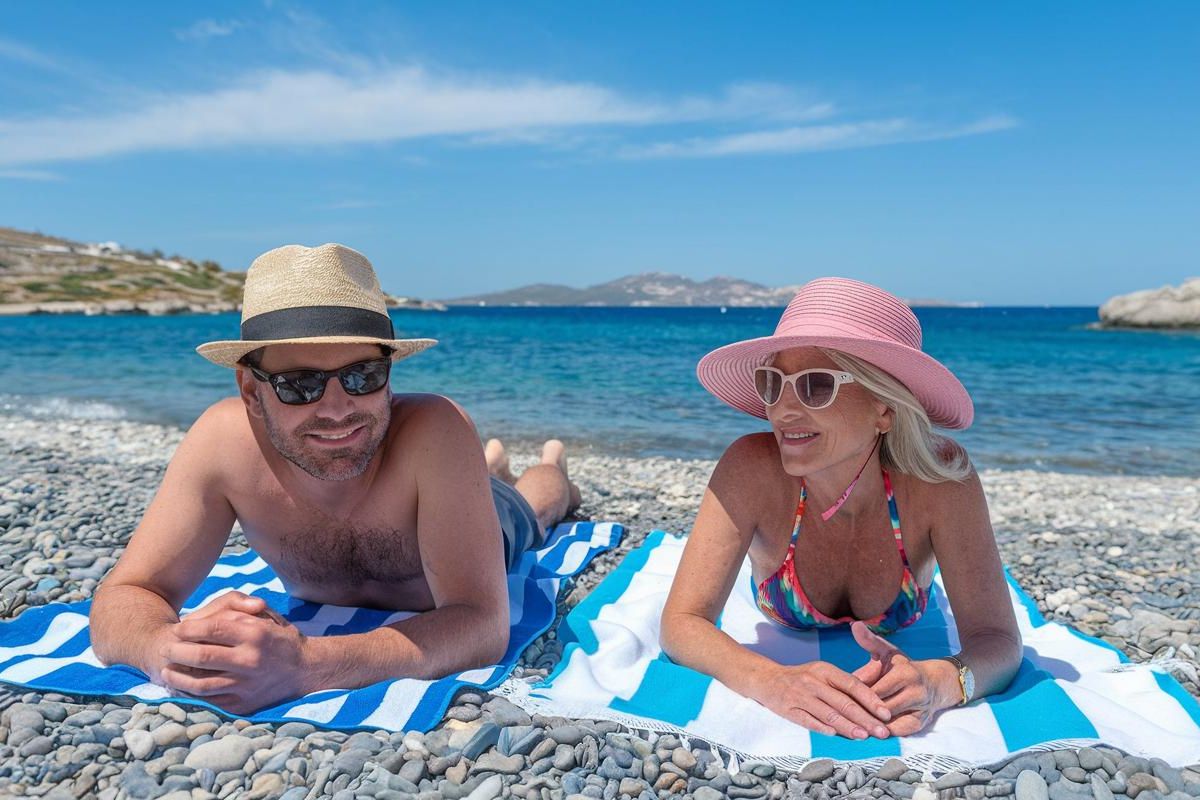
x,y
966,679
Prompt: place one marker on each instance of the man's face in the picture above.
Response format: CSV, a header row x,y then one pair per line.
x,y
333,438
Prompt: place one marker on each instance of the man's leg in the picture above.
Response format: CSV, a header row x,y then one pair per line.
x,y
497,461
545,486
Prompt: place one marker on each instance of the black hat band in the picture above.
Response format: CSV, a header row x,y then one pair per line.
x,y
307,322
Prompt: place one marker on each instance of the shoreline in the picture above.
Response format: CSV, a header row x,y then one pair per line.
x,y
1111,555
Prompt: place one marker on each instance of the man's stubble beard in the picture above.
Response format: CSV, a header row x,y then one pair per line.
x,y
340,464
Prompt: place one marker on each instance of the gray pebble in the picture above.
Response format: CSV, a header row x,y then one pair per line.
x,y
1090,759
37,746
891,770
1100,790
503,713
363,741
227,753
139,743
495,762
138,785
415,771
564,757
1031,786
951,780
350,763
567,734
486,736
488,789
298,729
683,758
1077,774
464,713
817,770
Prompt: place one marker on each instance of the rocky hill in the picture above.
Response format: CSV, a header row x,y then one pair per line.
x,y
46,274
648,289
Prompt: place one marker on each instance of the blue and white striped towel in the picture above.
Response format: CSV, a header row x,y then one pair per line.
x,y
1071,689
49,648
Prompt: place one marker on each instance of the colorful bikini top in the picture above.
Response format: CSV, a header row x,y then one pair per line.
x,y
781,598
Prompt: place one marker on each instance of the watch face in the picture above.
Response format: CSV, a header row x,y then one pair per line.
x,y
968,678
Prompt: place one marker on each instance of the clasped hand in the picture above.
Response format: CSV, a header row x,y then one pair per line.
x,y
890,695
236,653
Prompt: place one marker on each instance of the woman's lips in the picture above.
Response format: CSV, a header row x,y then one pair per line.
x,y
797,440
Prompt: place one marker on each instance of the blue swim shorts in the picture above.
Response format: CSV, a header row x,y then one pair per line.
x,y
518,523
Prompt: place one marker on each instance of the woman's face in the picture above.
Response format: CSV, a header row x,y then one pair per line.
x,y
814,440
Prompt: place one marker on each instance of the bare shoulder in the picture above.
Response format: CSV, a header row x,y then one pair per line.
x,y
222,426
430,434
220,443
949,493
751,457
949,509
418,416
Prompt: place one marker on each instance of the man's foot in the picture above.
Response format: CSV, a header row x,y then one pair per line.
x,y
554,453
497,461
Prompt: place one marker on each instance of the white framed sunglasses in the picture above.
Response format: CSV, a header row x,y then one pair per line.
x,y
814,388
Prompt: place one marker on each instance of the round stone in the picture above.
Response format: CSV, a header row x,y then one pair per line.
x,y
1031,786
139,743
817,770
227,753
683,758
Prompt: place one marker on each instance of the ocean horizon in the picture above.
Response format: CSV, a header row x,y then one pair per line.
x,y
1050,392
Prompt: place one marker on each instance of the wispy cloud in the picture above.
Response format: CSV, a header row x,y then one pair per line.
x,y
364,102
205,29
29,175
308,108
799,139
24,54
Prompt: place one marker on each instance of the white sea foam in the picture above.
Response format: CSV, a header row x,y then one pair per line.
x,y
60,408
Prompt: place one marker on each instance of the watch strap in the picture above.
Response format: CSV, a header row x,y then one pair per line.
x,y
962,677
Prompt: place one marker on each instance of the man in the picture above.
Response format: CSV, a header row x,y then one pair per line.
x,y
354,496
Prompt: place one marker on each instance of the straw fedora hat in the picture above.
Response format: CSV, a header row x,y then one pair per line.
x,y
312,295
855,318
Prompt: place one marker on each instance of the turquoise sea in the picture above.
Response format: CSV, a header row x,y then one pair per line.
x,y
1049,392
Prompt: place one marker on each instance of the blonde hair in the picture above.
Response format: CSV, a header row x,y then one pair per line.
x,y
911,446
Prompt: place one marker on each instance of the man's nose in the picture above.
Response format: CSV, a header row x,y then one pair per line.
x,y
335,402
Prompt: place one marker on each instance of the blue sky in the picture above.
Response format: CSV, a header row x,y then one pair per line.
x,y
1018,153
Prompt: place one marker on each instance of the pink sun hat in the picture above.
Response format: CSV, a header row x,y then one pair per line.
x,y
855,318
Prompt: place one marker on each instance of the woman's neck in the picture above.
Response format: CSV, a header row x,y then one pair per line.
x,y
847,489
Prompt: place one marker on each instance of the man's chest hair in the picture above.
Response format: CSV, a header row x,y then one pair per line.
x,y
343,553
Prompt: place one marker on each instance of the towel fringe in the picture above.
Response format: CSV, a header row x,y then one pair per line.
x,y
523,694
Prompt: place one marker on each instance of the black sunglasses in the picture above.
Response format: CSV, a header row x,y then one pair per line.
x,y
298,387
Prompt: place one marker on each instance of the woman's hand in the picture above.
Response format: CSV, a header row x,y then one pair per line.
x,y
913,691
824,699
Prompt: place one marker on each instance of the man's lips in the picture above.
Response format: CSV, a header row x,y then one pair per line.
x,y
337,438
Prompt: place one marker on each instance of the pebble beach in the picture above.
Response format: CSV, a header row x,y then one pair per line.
x,y
1114,556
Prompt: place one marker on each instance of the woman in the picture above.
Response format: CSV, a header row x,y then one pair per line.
x,y
816,503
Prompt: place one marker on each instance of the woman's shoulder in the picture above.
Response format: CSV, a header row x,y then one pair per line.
x,y
937,494
749,461
753,449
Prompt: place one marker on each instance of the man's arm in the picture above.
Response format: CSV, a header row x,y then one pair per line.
x,y
178,540
462,555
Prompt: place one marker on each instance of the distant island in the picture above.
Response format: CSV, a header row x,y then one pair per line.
x,y
652,289
42,274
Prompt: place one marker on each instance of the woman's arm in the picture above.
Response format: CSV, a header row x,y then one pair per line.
x,y
990,642
973,574
817,695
